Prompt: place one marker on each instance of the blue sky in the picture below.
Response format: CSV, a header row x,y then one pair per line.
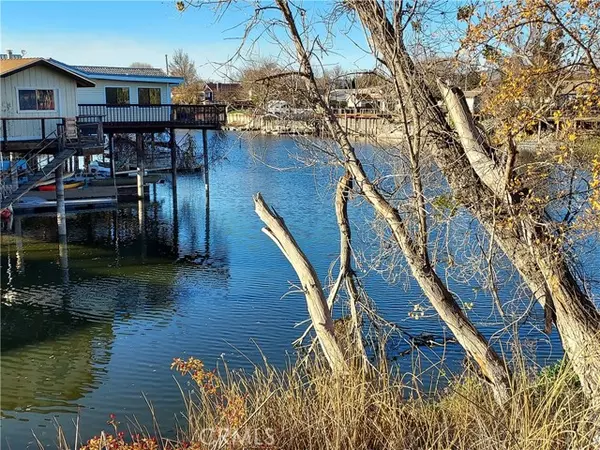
x,y
118,33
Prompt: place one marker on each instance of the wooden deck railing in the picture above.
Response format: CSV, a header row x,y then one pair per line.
x,y
86,131
162,115
28,128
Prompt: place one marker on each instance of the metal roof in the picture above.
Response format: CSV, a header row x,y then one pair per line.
x,y
127,71
140,74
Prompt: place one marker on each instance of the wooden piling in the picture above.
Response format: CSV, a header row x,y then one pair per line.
x,y
175,223
173,146
205,152
61,217
111,154
139,139
141,215
63,254
14,170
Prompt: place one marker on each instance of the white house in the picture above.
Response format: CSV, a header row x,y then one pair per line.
x,y
126,86
38,93
125,94
35,95
279,107
372,98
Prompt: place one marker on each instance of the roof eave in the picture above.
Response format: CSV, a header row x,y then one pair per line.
x,y
81,80
87,83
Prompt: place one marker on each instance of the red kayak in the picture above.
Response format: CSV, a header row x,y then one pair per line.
x,y
52,187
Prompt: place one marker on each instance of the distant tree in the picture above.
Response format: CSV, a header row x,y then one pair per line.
x,y
191,90
141,65
183,66
255,81
367,80
261,81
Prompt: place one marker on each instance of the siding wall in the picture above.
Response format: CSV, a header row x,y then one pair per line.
x,y
97,95
65,98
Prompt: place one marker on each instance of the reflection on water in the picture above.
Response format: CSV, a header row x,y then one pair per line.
x,y
68,308
54,371
90,324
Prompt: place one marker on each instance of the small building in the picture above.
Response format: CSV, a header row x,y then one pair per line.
x,y
222,92
279,108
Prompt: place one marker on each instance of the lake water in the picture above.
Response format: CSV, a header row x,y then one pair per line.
x,y
88,329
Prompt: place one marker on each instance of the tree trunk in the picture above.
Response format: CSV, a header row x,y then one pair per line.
x,y
319,313
490,363
575,315
346,272
577,320
532,252
473,143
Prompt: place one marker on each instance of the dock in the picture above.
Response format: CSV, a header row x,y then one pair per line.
x,y
77,194
61,141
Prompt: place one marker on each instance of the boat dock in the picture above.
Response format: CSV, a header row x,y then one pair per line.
x,y
127,192
62,152
78,199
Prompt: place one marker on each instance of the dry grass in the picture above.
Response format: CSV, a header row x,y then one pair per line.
x,y
304,407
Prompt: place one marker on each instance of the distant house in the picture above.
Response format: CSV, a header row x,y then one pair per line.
x,y
473,98
279,107
222,92
372,98
36,94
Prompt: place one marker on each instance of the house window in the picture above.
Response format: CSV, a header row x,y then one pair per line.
x,y
36,100
149,96
117,96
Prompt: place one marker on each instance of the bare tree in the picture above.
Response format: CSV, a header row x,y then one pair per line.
x,y
476,176
181,65
527,237
191,90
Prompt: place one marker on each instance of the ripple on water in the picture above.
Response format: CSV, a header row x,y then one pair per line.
x,y
95,331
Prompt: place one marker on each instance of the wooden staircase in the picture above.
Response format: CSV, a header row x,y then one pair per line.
x,y
70,141
37,177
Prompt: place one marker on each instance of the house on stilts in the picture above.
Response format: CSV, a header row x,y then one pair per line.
x,y
61,111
